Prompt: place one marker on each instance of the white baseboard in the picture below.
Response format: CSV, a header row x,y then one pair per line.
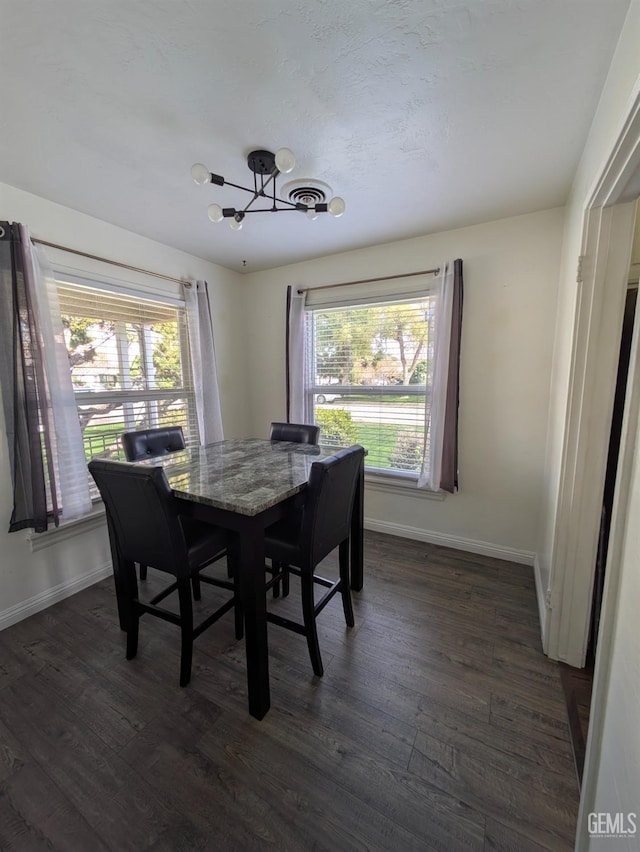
x,y
543,608
484,548
51,596
64,590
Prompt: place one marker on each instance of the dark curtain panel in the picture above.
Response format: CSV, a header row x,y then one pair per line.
x,y
24,391
449,475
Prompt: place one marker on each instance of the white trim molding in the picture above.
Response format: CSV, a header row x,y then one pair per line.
x,y
399,485
41,601
484,548
620,519
594,364
543,597
609,219
71,529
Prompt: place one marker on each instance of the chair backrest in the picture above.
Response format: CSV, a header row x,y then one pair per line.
x,y
299,433
329,502
143,514
152,442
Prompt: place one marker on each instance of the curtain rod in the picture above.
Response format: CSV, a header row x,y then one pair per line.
x,y
112,262
371,280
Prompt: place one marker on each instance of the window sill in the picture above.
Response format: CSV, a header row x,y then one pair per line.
x,y
400,485
68,530
376,481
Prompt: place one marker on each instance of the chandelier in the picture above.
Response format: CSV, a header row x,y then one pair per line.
x,y
308,196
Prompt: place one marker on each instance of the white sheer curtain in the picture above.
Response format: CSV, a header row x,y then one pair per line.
x,y
67,441
203,363
435,409
296,397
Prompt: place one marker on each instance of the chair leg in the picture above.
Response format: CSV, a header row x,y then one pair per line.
x,y
195,585
280,567
239,617
133,613
143,572
186,629
232,573
275,567
308,616
132,633
345,585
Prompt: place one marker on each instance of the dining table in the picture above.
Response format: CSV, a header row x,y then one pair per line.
x,y
245,485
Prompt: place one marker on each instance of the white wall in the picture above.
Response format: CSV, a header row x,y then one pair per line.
x,y
610,116
510,274
31,580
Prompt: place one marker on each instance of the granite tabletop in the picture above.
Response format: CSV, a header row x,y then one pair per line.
x,y
245,476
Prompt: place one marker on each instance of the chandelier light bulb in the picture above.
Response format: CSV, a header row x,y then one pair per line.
x,y
200,173
336,206
285,160
235,225
215,212
312,213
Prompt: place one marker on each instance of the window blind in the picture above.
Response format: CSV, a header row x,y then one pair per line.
x,y
129,365
369,292
369,374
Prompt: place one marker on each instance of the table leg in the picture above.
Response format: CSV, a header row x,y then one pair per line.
x,y
249,562
357,535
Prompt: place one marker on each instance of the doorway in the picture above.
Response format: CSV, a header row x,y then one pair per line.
x,y
612,467
578,683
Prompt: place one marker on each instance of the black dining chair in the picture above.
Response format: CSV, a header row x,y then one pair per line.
x,y
147,527
299,433
296,433
151,442
300,541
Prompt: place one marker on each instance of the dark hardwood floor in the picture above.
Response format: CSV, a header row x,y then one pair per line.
x,y
439,724
578,687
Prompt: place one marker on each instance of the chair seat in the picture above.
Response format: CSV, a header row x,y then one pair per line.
x,y
282,539
204,542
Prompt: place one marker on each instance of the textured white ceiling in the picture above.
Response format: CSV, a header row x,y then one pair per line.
x,y
423,115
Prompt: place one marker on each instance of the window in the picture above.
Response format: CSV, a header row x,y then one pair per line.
x,y
129,364
369,374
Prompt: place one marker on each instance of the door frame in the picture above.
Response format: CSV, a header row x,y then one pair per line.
x,y
603,268
628,457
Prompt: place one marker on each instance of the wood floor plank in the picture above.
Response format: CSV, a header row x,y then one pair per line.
x,y
454,726
487,788
499,838
36,815
542,720
347,813
438,725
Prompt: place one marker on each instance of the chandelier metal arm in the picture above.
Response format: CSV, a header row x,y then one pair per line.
x,y
260,193
292,209
229,212
237,186
255,198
